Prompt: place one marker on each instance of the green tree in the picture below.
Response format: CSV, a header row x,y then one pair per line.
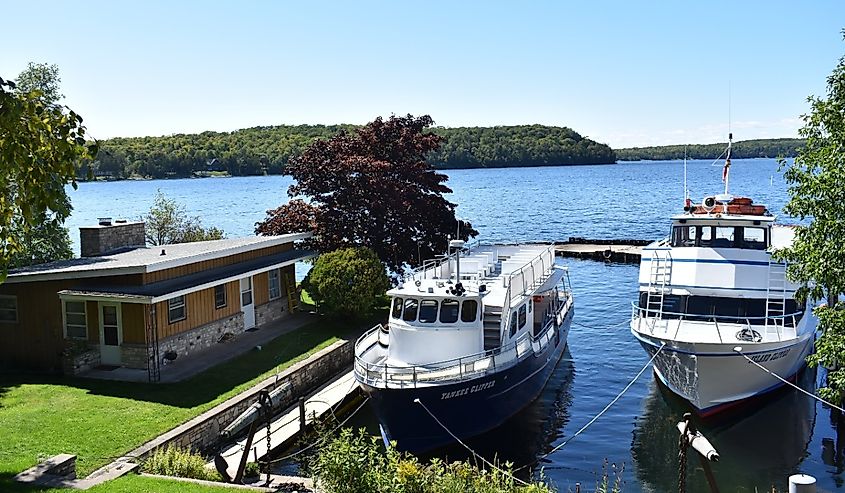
x,y
41,77
167,223
348,282
40,144
817,256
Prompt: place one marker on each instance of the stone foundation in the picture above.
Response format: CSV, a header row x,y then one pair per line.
x,y
82,362
272,311
204,337
133,356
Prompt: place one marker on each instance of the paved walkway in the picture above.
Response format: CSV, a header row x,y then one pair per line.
x,y
186,367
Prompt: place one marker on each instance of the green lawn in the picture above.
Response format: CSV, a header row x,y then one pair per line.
x,y
131,483
41,416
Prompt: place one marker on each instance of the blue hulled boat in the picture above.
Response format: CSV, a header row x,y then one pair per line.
x,y
471,339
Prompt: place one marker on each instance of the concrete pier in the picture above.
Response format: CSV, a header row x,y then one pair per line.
x,y
618,250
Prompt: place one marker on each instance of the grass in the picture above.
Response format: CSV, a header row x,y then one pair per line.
x,y
98,420
131,483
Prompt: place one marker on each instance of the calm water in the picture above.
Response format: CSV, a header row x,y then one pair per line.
x,y
760,447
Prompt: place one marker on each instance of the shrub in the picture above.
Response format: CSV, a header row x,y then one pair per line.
x,y
172,461
355,463
251,470
349,282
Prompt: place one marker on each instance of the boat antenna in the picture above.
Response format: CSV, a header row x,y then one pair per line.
x,y
726,171
686,190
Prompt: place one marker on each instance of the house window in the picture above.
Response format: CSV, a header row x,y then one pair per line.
x,y
275,285
176,309
76,323
9,309
219,296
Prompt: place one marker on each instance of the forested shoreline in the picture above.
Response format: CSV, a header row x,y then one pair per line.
x,y
267,150
766,148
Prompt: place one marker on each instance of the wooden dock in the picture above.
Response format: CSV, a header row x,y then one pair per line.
x,y
619,250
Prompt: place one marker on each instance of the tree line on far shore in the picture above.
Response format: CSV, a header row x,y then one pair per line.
x,y
267,150
766,148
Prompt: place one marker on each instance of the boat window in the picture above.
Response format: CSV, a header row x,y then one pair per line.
x,y
683,236
753,238
449,311
410,312
522,316
397,307
705,308
513,324
723,238
469,311
428,311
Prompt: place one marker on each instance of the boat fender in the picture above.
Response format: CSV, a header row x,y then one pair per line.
x,y
607,254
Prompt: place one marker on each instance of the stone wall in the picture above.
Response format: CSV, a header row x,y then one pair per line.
x,y
78,363
202,433
100,239
133,355
192,341
272,311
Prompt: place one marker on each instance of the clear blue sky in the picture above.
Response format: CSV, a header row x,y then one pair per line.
x,y
625,73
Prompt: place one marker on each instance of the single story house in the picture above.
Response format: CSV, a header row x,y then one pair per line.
x,y
125,304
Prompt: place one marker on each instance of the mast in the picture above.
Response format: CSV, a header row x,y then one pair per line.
x,y
726,173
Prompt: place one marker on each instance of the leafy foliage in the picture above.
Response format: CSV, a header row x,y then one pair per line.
x,y
41,77
267,150
45,241
40,143
770,148
371,188
167,223
817,256
355,463
347,283
172,461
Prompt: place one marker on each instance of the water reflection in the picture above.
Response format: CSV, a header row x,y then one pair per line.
x,y
759,446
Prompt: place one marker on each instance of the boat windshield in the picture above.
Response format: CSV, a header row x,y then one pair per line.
x,y
712,236
447,311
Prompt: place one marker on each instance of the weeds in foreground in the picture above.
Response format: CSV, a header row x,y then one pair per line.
x,y
607,484
173,461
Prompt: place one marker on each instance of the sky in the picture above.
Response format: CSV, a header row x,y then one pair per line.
x,y
624,73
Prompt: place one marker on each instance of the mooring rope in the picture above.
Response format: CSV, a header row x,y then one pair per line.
x,y
597,416
738,349
474,454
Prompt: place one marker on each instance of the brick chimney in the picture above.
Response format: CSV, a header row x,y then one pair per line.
x,y
108,236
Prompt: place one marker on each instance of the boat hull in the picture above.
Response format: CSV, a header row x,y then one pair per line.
x,y
714,377
467,408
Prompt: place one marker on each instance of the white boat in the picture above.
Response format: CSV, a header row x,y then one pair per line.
x,y
471,339
711,294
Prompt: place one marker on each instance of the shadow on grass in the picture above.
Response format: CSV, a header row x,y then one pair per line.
x,y
215,382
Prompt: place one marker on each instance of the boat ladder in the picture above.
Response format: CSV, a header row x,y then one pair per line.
x,y
659,284
293,295
775,300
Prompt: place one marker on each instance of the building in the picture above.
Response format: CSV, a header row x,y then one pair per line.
x,y
124,304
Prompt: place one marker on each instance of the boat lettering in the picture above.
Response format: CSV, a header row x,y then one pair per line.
x,y
762,358
467,390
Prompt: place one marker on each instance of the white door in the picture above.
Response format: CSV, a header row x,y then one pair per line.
x,y
247,305
111,333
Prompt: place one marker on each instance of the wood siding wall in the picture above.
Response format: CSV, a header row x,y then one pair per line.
x,y
134,326
211,264
199,310
37,339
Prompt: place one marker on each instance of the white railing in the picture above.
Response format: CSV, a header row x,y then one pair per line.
x,y
545,273
382,375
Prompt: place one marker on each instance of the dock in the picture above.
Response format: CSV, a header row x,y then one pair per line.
x,y
286,425
625,251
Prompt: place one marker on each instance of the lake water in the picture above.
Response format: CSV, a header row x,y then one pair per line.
x,y
760,447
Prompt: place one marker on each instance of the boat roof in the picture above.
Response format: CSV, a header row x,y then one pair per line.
x,y
721,216
486,271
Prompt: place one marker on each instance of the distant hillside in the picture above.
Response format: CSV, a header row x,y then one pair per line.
x,y
266,150
770,148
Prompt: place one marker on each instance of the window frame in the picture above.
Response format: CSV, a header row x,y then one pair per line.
x,y
170,308
14,298
278,284
457,310
427,302
523,316
474,312
222,288
409,302
64,319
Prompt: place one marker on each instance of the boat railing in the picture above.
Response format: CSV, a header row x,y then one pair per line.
x,y
381,374
545,272
432,264
639,313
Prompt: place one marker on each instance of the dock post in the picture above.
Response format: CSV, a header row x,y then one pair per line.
x,y
802,483
302,414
